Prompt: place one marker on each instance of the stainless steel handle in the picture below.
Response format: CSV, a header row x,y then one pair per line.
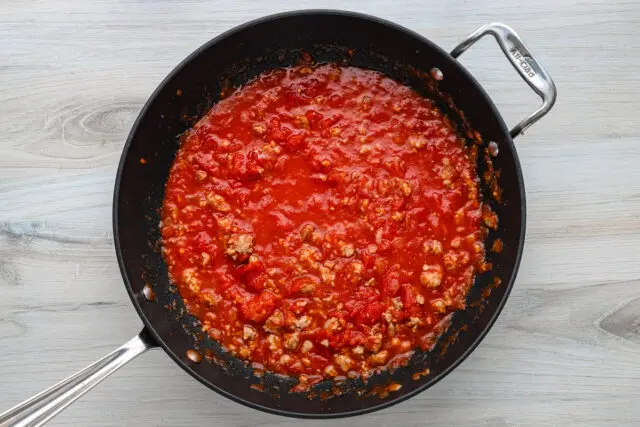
x,y
525,62
47,404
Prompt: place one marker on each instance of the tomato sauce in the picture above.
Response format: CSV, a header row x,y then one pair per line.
x,y
324,222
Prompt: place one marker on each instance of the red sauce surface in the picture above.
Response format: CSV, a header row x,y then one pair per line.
x,y
324,222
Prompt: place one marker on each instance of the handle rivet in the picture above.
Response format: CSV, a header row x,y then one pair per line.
x,y
436,73
148,293
194,356
493,149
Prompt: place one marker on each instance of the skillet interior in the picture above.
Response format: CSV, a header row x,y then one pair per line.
x,y
232,59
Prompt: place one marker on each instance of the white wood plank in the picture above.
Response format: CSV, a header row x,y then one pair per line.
x,y
565,351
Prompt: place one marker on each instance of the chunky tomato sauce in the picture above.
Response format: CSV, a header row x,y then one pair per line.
x,y
324,222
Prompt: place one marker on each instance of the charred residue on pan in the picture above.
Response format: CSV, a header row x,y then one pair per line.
x,y
385,381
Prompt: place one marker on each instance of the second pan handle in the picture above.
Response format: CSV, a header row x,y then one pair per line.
x,y
525,62
42,407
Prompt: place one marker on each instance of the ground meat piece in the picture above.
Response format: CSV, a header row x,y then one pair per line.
x,y
432,247
374,342
307,288
249,332
456,259
190,278
274,342
331,371
379,358
326,274
218,202
306,232
302,322
332,324
240,246
431,276
439,305
344,362
348,250
306,346
274,322
291,340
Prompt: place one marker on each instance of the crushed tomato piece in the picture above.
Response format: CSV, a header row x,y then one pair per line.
x,y
324,220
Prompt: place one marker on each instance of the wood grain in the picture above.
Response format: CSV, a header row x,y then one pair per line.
x,y
566,350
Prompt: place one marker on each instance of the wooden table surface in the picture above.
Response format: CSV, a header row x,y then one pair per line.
x,y
566,349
